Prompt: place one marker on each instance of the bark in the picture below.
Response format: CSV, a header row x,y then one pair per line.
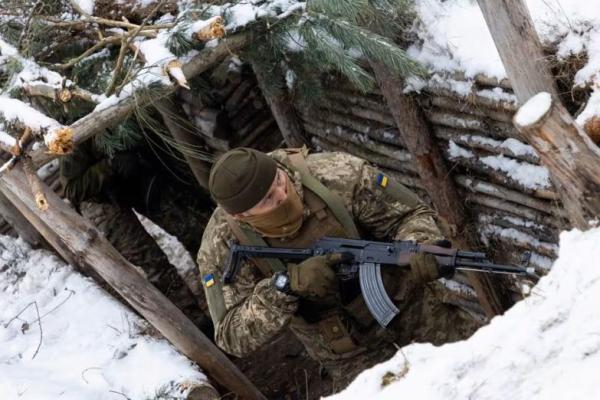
x,y
479,186
186,137
437,180
68,232
571,157
22,227
358,111
453,104
519,46
495,129
97,121
281,107
474,98
389,136
480,142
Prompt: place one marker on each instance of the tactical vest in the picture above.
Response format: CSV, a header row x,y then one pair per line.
x,y
327,216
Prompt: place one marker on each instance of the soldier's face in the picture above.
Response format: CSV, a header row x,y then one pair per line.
x,y
277,193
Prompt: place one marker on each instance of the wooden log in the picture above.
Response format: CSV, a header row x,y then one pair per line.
x,y
373,103
435,176
451,104
569,153
280,104
343,107
251,137
65,229
359,140
519,47
483,80
492,146
495,203
240,94
475,98
495,129
571,157
360,151
187,139
99,120
515,237
499,177
490,189
499,218
319,118
15,220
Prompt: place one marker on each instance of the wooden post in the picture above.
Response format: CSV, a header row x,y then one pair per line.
x,y
568,153
519,46
281,106
437,181
182,132
65,229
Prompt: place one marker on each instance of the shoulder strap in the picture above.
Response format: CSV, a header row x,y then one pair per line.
x,y
248,237
333,201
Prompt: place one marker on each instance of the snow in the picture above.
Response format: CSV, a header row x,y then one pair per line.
x,y
534,109
455,37
16,110
455,151
86,5
529,175
545,347
86,345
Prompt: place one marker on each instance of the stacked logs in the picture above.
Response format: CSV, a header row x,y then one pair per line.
x,y
507,213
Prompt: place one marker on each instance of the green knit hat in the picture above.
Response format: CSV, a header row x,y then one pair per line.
x,y
241,178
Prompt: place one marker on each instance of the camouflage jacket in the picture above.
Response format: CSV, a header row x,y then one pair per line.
x,y
255,312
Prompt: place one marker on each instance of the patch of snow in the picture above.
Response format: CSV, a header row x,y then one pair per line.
x,y
86,5
592,108
545,347
534,109
529,175
455,151
89,345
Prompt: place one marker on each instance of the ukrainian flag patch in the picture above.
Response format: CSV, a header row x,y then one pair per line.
x,y
382,180
208,280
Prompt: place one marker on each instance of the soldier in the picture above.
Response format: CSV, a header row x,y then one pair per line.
x,y
290,199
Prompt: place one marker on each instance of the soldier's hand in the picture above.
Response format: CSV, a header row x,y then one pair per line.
x,y
315,277
424,268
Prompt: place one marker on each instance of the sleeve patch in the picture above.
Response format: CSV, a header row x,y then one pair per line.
x,y
208,280
382,180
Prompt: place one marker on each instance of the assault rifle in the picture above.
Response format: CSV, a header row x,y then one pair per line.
x,y
366,260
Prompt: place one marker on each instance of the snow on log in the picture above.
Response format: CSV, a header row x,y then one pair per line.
x,y
58,138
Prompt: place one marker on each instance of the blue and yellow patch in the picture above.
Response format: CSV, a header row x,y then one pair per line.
x,y
208,280
382,180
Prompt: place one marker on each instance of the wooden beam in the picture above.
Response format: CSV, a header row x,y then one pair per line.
x,y
281,105
68,231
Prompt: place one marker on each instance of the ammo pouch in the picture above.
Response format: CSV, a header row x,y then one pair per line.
x,y
336,334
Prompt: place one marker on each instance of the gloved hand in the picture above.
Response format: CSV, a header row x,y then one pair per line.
x,y
424,268
315,277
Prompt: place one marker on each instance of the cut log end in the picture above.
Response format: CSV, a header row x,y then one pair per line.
x,y
64,95
533,111
173,68
62,141
213,30
41,201
592,128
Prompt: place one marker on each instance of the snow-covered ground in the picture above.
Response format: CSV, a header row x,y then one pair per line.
x,y
63,337
545,347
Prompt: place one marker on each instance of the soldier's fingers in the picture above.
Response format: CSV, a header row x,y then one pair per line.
x,y
338,258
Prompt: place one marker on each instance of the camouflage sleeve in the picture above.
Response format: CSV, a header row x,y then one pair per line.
x,y
388,210
255,312
83,175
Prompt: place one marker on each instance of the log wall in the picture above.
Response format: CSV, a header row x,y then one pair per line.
x,y
472,121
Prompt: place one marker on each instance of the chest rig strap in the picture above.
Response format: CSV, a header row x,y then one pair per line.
x,y
333,201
